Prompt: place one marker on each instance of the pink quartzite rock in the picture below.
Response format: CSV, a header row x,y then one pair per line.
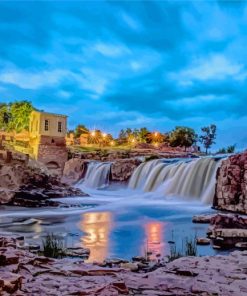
x,y
231,186
205,276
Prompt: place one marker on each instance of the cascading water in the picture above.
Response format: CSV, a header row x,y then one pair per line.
x,y
188,179
97,175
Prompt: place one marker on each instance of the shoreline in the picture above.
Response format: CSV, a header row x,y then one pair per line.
x,y
24,273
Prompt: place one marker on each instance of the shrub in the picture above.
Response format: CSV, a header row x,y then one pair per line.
x,y
53,247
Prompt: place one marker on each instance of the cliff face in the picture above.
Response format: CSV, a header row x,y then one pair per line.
x,y
231,186
21,184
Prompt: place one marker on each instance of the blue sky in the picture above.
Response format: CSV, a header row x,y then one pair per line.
x,y
113,64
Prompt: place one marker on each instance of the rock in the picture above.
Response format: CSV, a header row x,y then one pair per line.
x,y
78,252
139,259
241,245
130,266
231,189
202,241
203,218
74,171
10,282
23,185
122,169
206,275
228,230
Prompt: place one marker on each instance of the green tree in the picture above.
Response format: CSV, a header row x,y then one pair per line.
x,y
15,116
4,116
143,134
182,136
231,148
80,129
208,137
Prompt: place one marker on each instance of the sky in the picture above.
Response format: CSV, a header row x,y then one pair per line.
x,y
118,64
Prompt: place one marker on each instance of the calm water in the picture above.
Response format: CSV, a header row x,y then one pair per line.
x,y
112,223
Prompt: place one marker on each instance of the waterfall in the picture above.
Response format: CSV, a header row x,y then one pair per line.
x,y
97,175
187,179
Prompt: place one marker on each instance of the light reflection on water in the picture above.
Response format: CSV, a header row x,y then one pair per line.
x,y
97,227
154,238
124,224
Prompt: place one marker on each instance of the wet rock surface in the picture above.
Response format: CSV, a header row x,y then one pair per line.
x,y
226,231
121,170
23,185
231,187
24,273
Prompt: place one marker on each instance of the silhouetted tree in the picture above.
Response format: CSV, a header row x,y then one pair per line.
x,y
182,136
80,129
208,137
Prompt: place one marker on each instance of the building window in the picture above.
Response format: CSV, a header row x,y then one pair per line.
x,y
59,127
46,125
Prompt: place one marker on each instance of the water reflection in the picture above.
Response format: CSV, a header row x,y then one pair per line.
x,y
154,238
97,227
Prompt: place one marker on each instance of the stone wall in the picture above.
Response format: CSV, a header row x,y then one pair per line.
x,y
231,186
51,155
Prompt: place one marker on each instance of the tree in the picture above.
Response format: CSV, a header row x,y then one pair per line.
x,y
80,129
208,137
4,116
15,116
183,137
231,148
20,116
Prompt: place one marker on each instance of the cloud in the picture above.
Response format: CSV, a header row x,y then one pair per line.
x,y
117,63
216,67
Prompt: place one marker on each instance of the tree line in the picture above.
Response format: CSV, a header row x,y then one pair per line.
x,y
181,136
15,117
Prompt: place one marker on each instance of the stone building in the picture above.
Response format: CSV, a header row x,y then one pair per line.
x,y
47,139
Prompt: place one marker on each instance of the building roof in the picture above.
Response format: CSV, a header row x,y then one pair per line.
x,y
49,113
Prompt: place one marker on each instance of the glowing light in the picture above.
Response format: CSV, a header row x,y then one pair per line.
x,y
133,140
97,227
112,143
104,135
155,134
93,133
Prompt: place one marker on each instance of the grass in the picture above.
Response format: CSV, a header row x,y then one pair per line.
x,y
53,247
189,248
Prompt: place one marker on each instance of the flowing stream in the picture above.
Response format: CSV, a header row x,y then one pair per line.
x,y
156,207
97,175
186,179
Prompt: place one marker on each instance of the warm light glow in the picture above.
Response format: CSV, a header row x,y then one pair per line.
x,y
104,135
133,140
112,143
93,133
155,134
154,238
96,226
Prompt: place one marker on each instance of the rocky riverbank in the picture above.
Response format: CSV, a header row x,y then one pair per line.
x,y
24,273
111,155
225,231
231,185
24,184
121,169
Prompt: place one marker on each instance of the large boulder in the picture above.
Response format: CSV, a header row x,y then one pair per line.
x,y
74,170
122,169
231,186
20,182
